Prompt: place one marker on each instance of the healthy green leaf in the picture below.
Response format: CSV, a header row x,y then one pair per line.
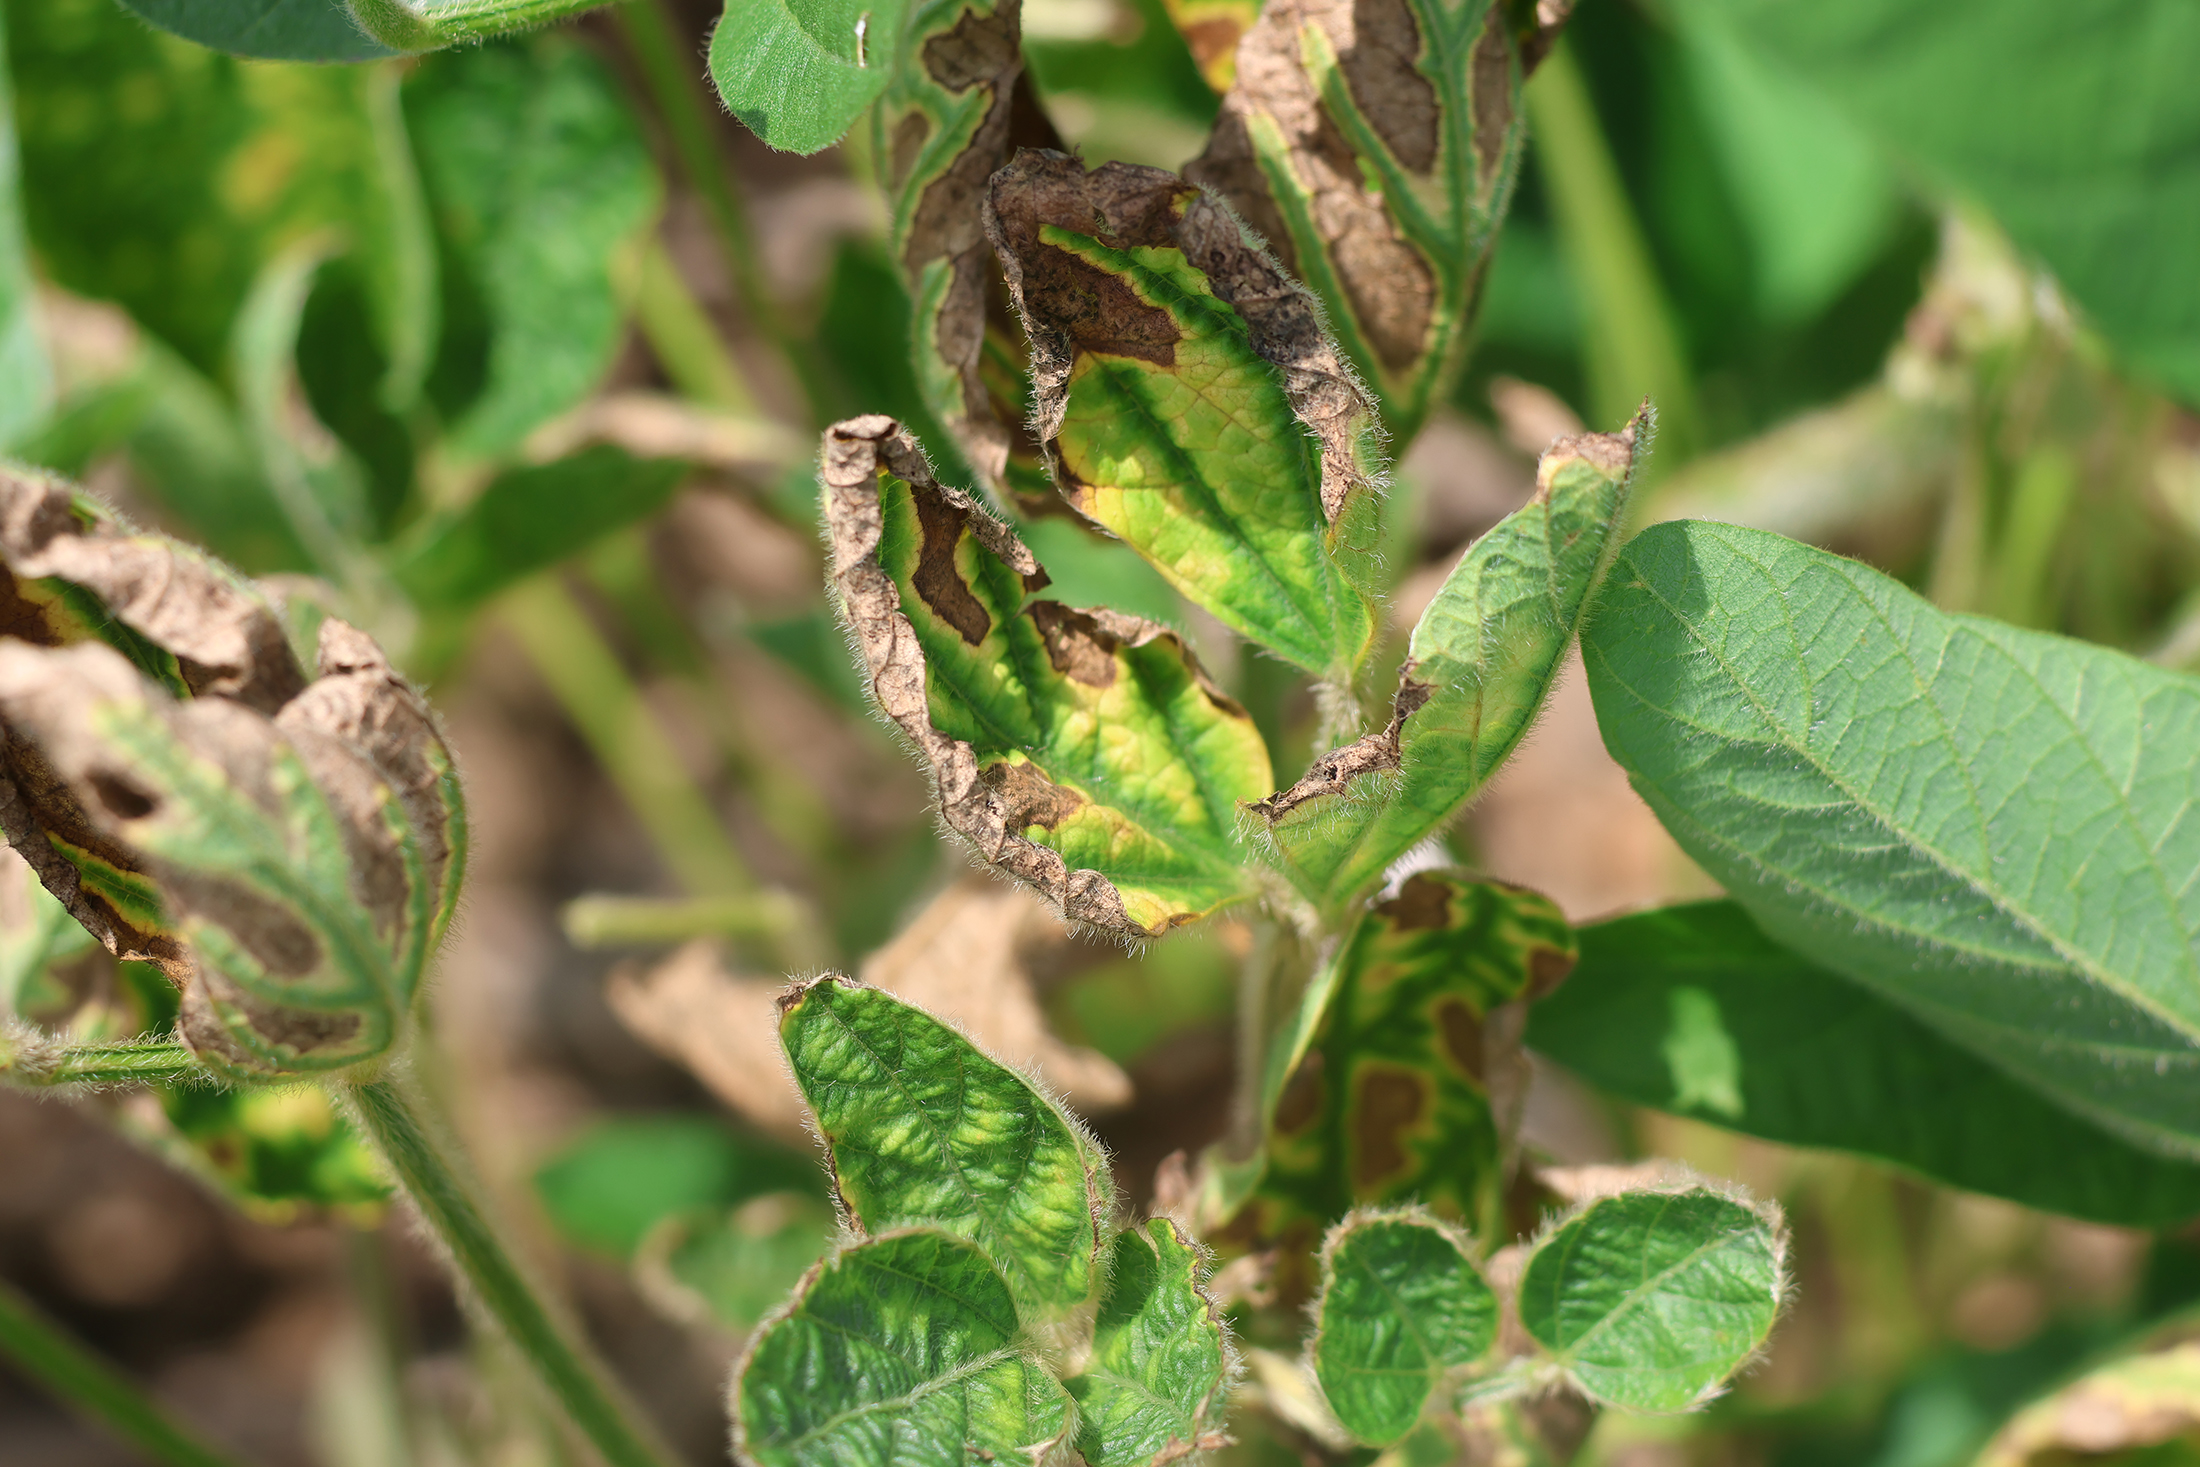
x,y
1650,1300
1401,1307
926,1130
422,25
1084,752
1378,170
734,1265
1691,1009
606,1190
26,377
1477,669
2091,160
1399,1075
1993,828
901,1351
277,30
527,520
1190,402
1153,1389
539,176
798,73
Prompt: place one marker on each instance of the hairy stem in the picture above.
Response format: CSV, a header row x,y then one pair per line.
x,y
27,1059
46,1353
392,1112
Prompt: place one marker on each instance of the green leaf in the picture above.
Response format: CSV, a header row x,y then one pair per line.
x,y
26,377
1084,752
1993,828
798,73
1398,1075
276,30
1693,1010
901,1351
1650,1300
606,1190
925,1129
422,25
1153,1389
527,520
274,1148
1402,1307
2138,1410
1477,669
2078,128
1190,402
734,1266
1378,172
539,176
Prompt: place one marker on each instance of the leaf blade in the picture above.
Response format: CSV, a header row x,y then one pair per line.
x,y
1152,1391
1402,1305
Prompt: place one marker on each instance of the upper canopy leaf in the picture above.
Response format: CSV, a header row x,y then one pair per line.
x,y
1081,751
798,73
1997,829
1190,402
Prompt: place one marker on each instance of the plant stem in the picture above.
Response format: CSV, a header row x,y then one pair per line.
x,y
1628,338
46,1353
609,921
28,1060
679,331
392,1112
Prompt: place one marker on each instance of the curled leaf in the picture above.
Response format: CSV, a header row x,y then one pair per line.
x,y
1083,752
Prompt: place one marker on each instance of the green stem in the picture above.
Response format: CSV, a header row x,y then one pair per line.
x,y
609,921
28,1060
46,1353
625,736
1632,347
679,332
393,1114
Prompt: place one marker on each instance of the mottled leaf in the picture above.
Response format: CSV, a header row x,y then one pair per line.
x,y
1651,1300
1691,1009
1373,143
1081,751
1402,1306
1997,830
276,30
1153,1389
1479,665
26,377
1401,1075
901,1351
1190,402
276,1149
925,1129
798,73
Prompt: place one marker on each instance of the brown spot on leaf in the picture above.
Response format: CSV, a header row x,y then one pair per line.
x,y
1388,1103
1301,1100
1547,968
977,50
1490,94
1423,903
1080,649
1379,66
1461,1031
939,579
1094,310
1212,40
1334,771
902,150
1026,797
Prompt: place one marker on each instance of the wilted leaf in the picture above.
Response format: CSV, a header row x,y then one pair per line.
x,y
278,30
1190,402
798,73
1479,665
1992,828
1650,1300
1402,1306
924,1128
1084,752
1373,143
2124,1406
1153,1389
1401,1075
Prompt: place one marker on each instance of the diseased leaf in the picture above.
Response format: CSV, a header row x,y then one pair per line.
x,y
1084,752
1401,1074
26,377
1477,669
276,30
1650,1300
1995,829
1212,30
1153,1389
276,1149
1691,1009
901,1351
1190,402
2149,1400
1373,143
925,1129
798,73
1402,1306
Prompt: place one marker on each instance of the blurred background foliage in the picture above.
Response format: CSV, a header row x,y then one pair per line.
x,y
515,354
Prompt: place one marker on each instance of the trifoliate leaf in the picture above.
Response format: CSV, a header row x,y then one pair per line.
x,y
1402,1306
1153,1390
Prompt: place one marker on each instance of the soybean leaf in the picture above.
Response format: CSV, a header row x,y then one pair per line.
x,y
26,377
538,175
277,1148
1373,143
1153,1388
606,1190
1190,402
923,1127
1400,1072
1650,1300
1993,828
1477,669
1084,752
798,73
2093,161
526,520
1401,1307
1212,30
1691,1009
2115,1412
276,30
901,1351
734,1266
